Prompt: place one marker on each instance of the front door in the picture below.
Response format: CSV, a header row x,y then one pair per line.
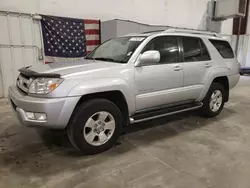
x,y
159,84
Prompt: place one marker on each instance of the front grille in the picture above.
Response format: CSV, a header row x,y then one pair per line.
x,y
23,83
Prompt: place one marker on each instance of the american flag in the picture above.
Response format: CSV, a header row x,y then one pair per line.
x,y
69,37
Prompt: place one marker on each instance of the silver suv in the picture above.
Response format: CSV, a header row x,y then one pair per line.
x,y
127,80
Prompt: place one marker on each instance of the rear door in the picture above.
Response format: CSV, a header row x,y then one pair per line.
x,y
197,65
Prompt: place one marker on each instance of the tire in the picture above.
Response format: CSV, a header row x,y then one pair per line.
x,y
207,111
241,73
86,130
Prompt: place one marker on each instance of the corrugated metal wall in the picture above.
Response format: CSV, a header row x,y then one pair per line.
x,y
20,45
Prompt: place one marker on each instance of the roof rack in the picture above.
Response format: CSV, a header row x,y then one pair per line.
x,y
192,31
153,31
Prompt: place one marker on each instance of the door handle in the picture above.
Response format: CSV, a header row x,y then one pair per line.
x,y
208,65
177,68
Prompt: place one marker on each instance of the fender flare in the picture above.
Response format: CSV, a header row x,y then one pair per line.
x,y
219,72
105,85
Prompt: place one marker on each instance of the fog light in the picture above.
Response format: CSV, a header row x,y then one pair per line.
x,y
30,115
36,116
40,116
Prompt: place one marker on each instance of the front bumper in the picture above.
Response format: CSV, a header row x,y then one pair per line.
x,y
58,110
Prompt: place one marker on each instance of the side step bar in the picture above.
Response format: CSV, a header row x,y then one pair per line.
x,y
137,118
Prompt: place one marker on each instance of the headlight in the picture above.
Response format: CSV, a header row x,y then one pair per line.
x,y
44,85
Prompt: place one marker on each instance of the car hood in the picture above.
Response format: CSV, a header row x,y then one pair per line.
x,y
72,67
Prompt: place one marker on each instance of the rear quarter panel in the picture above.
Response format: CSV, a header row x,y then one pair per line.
x,y
221,67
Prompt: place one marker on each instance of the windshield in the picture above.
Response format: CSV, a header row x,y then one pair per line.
x,y
117,50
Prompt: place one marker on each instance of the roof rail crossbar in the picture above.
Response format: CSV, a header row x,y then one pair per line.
x,y
192,31
153,31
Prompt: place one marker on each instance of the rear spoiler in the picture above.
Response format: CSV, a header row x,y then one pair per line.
x,y
30,73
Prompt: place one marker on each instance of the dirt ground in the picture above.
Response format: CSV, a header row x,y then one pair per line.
x,y
182,151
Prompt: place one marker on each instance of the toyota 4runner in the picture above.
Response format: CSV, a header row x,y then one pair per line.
x,y
127,80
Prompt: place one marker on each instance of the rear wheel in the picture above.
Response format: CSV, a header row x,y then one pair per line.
x,y
214,101
95,127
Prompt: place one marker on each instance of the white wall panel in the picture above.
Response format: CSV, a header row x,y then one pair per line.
x,y
30,57
240,50
7,69
14,27
247,53
243,54
36,34
19,61
125,27
20,45
29,6
1,75
108,30
4,34
27,30
244,50
227,27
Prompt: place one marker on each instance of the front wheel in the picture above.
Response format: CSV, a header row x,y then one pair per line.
x,y
214,101
95,126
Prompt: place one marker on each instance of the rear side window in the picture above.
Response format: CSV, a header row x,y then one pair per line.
x,y
194,49
223,48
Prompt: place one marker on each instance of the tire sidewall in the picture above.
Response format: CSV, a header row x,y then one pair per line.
x,y
83,114
206,107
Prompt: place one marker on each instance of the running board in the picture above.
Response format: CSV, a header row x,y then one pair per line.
x,y
137,118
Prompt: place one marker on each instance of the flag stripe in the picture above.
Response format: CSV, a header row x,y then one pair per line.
x,y
92,37
91,22
92,42
92,26
91,48
92,32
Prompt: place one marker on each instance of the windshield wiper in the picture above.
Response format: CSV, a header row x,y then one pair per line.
x,y
104,59
88,58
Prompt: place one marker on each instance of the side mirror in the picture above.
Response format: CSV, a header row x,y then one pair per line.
x,y
148,58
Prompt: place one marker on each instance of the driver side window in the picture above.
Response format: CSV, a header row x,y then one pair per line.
x,y
167,46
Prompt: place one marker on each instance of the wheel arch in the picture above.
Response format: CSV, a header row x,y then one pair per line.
x,y
215,77
115,96
223,80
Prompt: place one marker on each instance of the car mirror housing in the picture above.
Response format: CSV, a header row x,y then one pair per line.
x,y
148,58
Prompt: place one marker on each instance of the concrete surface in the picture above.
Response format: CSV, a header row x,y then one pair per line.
x,y
184,151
